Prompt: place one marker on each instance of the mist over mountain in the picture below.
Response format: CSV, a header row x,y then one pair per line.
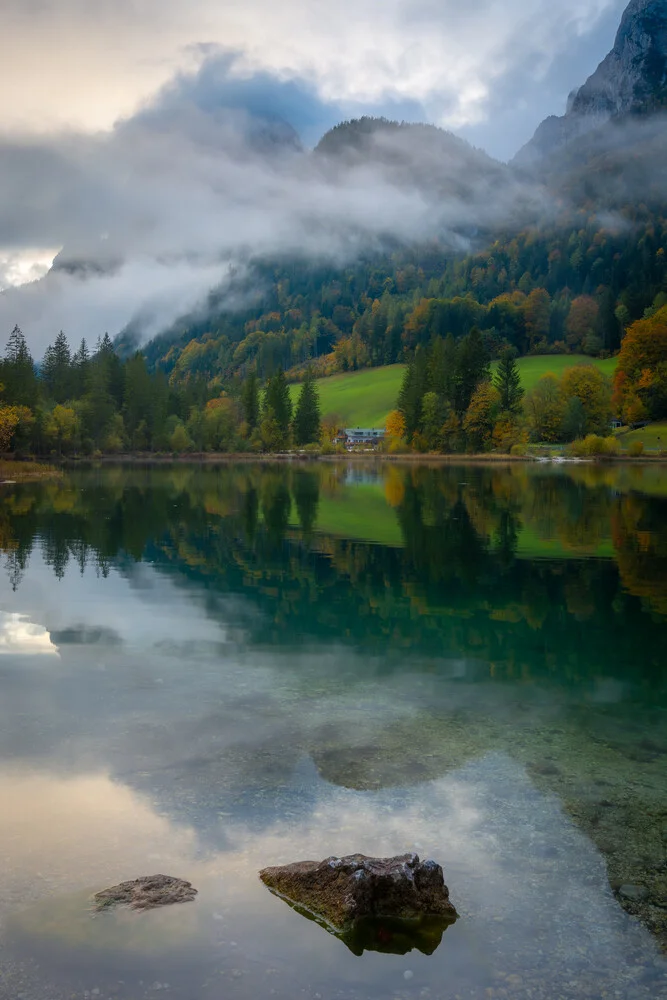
x,y
630,82
187,213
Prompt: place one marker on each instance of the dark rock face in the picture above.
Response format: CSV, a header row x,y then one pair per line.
x,y
632,79
146,893
342,891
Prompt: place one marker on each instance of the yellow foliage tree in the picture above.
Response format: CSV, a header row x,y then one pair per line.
x,y
481,416
10,417
62,427
395,425
593,389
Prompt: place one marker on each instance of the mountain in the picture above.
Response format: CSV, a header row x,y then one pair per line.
x,y
411,155
631,81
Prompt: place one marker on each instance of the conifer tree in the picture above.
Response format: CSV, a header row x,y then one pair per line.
x,y
307,416
56,371
413,387
507,381
472,368
277,400
250,401
17,372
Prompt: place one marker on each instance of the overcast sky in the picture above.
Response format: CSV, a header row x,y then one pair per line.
x,y
490,70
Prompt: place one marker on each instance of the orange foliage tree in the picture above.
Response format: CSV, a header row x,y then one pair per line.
x,y
641,374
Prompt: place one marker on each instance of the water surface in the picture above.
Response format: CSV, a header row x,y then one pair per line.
x,y
204,671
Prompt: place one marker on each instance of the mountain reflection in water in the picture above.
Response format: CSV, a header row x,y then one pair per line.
x,y
259,663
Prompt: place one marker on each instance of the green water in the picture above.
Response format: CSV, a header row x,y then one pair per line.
x,y
205,671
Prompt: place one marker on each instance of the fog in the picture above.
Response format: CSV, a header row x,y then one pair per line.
x,y
153,214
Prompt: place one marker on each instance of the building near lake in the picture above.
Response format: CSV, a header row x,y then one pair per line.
x,y
363,435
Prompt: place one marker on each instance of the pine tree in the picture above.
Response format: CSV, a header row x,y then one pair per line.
x,y
250,401
413,387
307,416
56,371
277,399
507,381
472,368
80,362
17,372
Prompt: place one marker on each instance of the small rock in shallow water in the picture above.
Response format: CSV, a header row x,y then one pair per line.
x,y
146,893
635,893
343,890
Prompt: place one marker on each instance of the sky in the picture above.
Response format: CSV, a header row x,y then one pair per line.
x,y
115,117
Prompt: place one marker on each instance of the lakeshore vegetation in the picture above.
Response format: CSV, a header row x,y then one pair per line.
x,y
451,396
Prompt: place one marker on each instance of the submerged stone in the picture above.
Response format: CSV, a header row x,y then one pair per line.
x,y
343,891
635,893
146,893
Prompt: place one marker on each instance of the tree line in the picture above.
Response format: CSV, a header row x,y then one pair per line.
x,y
84,402
572,289
451,402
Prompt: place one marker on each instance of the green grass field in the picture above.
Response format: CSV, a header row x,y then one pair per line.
x,y
653,436
364,398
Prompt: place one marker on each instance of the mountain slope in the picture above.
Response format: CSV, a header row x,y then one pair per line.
x,y
630,81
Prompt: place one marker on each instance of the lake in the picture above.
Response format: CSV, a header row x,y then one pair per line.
x,y
208,670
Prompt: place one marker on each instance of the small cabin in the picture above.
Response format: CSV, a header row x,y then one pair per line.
x,y
364,435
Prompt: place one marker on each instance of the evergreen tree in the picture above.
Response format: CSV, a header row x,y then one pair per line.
x,y
250,401
138,400
413,387
277,400
307,416
108,360
507,381
472,368
17,372
80,362
56,372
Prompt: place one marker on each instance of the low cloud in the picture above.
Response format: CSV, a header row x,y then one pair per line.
x,y
154,214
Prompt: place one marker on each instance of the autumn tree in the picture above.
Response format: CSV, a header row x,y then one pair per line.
x,y
581,325
472,368
481,416
9,420
62,427
537,316
593,390
641,373
545,409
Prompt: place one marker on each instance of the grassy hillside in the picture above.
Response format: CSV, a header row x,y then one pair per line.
x,y
364,398
653,436
359,399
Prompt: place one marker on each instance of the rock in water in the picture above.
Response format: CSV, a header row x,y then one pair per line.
x,y
146,893
345,890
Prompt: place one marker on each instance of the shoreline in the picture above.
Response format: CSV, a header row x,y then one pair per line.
x,y
30,470
229,458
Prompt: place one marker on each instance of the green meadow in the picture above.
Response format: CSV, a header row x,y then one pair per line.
x,y
364,398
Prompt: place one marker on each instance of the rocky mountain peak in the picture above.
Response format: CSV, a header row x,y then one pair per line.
x,y
631,79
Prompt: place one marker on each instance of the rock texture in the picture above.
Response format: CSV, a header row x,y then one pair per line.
x,y
344,890
631,79
146,893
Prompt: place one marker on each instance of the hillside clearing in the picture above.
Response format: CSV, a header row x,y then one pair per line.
x,y
364,398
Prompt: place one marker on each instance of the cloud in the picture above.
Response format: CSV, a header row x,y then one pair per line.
x,y
156,212
84,65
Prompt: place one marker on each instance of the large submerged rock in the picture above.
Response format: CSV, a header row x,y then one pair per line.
x,y
343,891
146,893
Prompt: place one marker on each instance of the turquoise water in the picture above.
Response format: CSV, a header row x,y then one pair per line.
x,y
204,671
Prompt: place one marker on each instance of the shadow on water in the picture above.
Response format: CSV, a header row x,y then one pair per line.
x,y
205,671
